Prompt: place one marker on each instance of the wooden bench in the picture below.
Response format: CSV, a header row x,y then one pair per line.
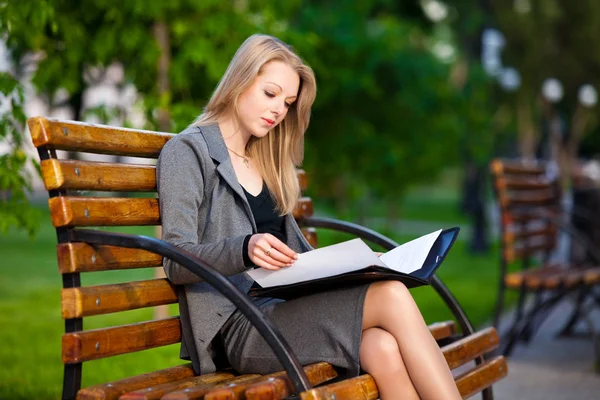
x,y
91,194
531,213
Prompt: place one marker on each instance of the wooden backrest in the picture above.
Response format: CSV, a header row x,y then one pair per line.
x,y
526,190
109,193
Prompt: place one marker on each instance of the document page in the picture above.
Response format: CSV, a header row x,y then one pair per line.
x,y
410,256
332,260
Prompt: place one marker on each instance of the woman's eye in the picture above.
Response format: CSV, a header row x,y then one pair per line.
x,y
269,94
287,105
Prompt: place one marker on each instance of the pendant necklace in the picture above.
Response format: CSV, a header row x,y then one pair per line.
x,y
246,161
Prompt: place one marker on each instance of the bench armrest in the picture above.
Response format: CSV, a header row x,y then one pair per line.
x,y
210,275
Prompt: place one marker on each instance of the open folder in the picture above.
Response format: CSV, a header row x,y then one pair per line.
x,y
353,263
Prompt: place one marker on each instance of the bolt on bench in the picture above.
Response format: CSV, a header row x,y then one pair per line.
x,y
85,195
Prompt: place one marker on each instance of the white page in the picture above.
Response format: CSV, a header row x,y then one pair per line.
x,y
332,260
410,256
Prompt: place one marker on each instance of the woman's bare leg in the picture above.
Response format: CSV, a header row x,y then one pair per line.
x,y
390,306
380,357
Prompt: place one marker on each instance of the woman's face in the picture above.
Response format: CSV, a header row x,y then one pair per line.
x,y
266,102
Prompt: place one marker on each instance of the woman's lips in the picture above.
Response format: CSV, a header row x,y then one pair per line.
x,y
269,122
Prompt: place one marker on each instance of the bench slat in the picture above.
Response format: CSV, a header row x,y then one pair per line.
x,y
199,392
303,208
316,374
104,299
100,139
442,330
517,184
278,386
101,176
82,257
359,388
158,391
310,234
481,377
531,199
106,342
511,253
519,168
93,211
468,348
112,390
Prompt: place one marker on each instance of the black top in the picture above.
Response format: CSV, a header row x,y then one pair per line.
x,y
266,217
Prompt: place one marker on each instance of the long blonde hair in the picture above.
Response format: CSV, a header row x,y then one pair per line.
x,y
277,155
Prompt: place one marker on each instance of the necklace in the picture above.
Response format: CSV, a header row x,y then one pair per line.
x,y
246,161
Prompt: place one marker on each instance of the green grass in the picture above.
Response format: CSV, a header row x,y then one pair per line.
x,y
30,338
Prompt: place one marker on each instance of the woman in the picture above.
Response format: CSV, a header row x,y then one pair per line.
x,y
227,187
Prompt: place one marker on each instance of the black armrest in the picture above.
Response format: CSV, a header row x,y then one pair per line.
x,y
210,275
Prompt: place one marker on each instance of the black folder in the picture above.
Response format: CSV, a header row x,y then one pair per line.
x,y
419,277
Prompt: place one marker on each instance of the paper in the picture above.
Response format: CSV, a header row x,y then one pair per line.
x,y
410,256
332,260
344,257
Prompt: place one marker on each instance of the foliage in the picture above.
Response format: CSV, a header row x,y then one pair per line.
x,y
387,114
550,39
14,177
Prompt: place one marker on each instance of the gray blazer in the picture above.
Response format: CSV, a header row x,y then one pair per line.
x,y
205,212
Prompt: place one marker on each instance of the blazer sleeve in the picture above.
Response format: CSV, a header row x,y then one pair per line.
x,y
181,193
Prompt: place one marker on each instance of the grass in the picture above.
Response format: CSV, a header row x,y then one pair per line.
x,y
30,350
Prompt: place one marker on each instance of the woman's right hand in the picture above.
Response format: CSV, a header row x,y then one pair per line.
x,y
268,252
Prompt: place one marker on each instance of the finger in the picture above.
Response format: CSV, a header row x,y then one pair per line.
x,y
270,260
265,265
281,247
279,256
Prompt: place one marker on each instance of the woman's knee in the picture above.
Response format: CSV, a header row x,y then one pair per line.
x,y
379,349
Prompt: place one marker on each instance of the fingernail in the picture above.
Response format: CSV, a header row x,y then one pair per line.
x,y
295,256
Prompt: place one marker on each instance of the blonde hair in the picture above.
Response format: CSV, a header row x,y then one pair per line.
x,y
277,155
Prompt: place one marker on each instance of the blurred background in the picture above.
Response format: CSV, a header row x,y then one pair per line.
x,y
414,100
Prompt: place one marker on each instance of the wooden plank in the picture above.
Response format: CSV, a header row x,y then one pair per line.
x,y
515,237
468,348
101,176
442,330
94,211
82,257
156,392
276,384
106,342
529,200
505,183
104,299
112,390
302,179
310,234
481,377
359,388
92,138
199,392
520,167
512,253
303,208
592,276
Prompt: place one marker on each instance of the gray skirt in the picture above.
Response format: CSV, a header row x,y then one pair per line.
x,y
325,326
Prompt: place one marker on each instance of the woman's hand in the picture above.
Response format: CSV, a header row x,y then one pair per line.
x,y
268,252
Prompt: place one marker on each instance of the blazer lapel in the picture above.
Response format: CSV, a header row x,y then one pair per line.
x,y
218,152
